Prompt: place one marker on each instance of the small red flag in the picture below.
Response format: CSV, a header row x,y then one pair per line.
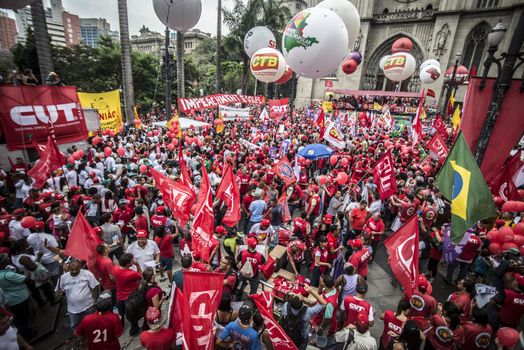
x,y
202,294
402,248
384,176
176,303
321,123
430,93
437,148
284,170
82,241
328,83
229,193
416,125
178,198
504,184
440,127
185,179
50,160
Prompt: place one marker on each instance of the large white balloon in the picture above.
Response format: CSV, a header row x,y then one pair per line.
x,y
383,61
180,15
429,74
349,15
430,62
14,4
258,38
315,42
268,65
399,66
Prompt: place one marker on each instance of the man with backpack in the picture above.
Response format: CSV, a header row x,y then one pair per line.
x,y
127,281
294,320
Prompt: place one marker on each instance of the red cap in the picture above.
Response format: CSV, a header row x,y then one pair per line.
x,y
39,225
159,210
220,229
328,219
98,230
314,188
141,234
520,279
252,242
362,323
196,255
92,174
96,180
264,223
19,211
355,243
423,284
508,337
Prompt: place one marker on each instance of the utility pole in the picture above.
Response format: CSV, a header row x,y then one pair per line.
x,y
219,44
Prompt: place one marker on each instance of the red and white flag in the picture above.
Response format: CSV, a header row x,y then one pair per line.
x,y
402,248
278,108
282,200
264,303
389,121
384,176
185,179
82,241
229,193
510,177
321,123
202,294
284,170
204,221
50,160
437,148
416,125
178,197
334,136
440,127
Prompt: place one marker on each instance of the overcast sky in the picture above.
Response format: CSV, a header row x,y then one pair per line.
x,y
140,13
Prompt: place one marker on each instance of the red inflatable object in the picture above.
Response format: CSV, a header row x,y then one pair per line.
x,y
402,45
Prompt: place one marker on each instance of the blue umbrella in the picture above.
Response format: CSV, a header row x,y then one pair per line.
x,y
316,151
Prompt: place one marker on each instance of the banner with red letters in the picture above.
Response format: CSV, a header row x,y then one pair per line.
x,y
202,294
284,171
28,110
437,148
278,108
384,176
187,105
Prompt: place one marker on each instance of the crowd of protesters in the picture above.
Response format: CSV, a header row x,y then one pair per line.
x,y
335,231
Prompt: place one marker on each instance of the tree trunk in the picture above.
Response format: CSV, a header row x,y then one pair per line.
x,y
219,44
127,74
245,74
42,40
180,78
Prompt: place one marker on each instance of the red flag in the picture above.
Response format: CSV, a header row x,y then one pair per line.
x,y
82,241
384,176
328,83
202,294
282,200
284,170
279,338
402,248
229,193
176,312
439,125
430,93
278,108
178,198
437,148
321,123
416,125
49,161
204,221
185,179
504,184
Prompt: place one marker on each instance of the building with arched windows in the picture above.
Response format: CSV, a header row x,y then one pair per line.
x,y
442,29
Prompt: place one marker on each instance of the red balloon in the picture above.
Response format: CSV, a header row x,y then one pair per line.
x,y
143,168
498,201
121,151
511,206
509,245
344,162
28,222
333,160
492,235
342,178
518,240
494,248
155,132
149,134
519,228
170,146
175,142
76,156
402,45
521,193
71,160
108,151
288,73
322,179
95,140
81,152
349,66
169,134
506,234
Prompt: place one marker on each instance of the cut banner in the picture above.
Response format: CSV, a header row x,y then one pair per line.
x,y
278,108
232,113
187,105
437,148
284,171
333,136
108,106
384,176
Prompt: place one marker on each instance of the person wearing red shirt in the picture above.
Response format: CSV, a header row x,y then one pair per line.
x,y
295,255
464,260
462,298
295,197
359,258
159,219
374,227
476,334
442,324
429,215
104,271
122,217
165,244
355,305
255,259
244,182
511,302
246,202
157,338
301,228
320,261
127,281
333,245
423,305
140,220
197,265
393,323
358,218
313,205
102,328
435,252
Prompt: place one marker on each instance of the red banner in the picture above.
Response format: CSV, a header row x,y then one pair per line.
x,y
28,110
187,105
264,303
384,176
507,131
506,180
402,248
229,193
82,241
284,170
438,149
278,108
202,294
439,125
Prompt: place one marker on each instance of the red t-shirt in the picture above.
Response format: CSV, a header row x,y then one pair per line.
x,y
126,282
354,306
473,336
463,302
142,224
513,307
422,308
440,336
332,243
375,226
165,245
105,267
359,260
151,293
470,249
101,330
358,218
391,325
160,340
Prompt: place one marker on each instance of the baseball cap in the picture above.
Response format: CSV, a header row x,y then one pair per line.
x,y
362,323
252,242
92,174
122,201
159,210
245,312
520,279
355,243
153,317
328,219
508,337
19,211
39,225
104,303
264,223
141,234
423,284
220,229
195,255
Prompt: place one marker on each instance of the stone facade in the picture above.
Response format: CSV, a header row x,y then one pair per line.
x,y
438,29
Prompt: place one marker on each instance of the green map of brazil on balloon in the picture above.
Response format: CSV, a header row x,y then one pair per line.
x,y
294,34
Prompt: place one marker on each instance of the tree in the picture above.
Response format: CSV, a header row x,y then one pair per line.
x,y
125,46
43,42
25,55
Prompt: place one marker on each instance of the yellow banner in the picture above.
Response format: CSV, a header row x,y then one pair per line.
x,y
108,105
327,106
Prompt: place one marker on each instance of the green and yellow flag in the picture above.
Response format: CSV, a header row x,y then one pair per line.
x,y
462,183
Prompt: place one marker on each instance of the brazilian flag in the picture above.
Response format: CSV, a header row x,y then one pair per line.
x,y
462,183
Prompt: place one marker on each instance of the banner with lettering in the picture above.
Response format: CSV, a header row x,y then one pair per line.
x,y
437,148
108,105
26,111
232,113
187,105
278,108
384,176
327,106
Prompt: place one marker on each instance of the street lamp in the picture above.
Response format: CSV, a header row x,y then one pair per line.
x,y
167,52
452,82
504,77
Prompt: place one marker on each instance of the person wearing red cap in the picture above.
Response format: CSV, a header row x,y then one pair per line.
x,y
295,255
159,219
507,338
250,261
442,325
144,251
157,337
511,301
359,258
263,232
375,228
423,305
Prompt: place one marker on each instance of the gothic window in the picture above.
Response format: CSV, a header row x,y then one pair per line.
x,y
475,46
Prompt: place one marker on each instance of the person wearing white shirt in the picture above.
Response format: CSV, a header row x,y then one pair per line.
x,y
40,242
81,289
110,164
144,251
100,166
16,230
376,205
71,176
19,193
